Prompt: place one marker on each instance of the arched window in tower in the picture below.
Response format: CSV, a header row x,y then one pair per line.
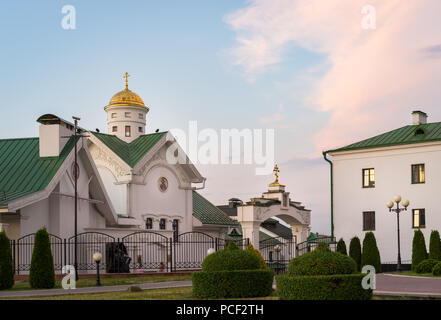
x,y
149,223
128,132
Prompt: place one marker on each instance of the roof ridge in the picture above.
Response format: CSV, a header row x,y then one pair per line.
x,y
13,139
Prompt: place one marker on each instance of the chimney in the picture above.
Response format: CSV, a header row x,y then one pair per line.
x,y
419,117
54,134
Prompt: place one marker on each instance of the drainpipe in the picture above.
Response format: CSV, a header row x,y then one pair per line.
x,y
332,192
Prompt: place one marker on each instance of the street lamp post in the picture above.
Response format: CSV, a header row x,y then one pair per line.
x,y
277,248
97,258
397,210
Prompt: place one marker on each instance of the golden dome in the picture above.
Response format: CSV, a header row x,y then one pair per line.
x,y
126,97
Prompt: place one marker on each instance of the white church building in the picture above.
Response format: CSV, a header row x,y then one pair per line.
x,y
125,186
366,175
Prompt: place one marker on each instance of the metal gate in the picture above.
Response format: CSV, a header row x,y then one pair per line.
x,y
87,244
149,251
24,246
190,250
277,252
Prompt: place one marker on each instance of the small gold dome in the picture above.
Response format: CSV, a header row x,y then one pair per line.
x,y
126,97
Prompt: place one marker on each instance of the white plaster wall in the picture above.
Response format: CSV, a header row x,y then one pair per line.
x,y
392,177
174,203
121,121
117,192
34,217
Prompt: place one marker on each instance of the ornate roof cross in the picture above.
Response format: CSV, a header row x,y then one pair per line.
x,y
126,76
276,172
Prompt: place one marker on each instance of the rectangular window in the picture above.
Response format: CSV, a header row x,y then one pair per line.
x,y
128,133
128,114
141,116
369,178
418,173
175,230
140,129
418,218
368,220
114,129
113,115
149,223
162,224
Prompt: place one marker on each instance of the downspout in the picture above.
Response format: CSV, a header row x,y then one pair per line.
x,y
332,192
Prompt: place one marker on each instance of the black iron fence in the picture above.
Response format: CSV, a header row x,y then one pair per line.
x,y
308,246
147,251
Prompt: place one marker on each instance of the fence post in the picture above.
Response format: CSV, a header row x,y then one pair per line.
x,y
13,254
171,255
216,247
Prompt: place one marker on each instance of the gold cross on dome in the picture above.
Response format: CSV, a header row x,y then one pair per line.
x,y
126,76
276,172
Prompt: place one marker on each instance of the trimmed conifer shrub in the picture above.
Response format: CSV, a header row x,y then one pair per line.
x,y
232,246
6,267
370,254
436,271
42,274
341,247
262,262
419,251
355,251
426,266
435,245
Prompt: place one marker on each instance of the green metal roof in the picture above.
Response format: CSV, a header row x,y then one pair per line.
x,y
404,135
131,153
22,171
208,213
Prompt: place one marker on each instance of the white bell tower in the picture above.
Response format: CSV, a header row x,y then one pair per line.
x,y
126,114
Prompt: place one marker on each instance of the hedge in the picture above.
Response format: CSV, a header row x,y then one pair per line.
x,y
419,252
329,287
437,269
355,251
321,261
6,267
370,254
426,266
232,284
435,246
341,247
42,274
262,262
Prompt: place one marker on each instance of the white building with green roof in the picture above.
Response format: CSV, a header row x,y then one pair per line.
x,y
125,183
366,175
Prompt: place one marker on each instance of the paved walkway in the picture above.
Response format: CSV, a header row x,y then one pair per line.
x,y
391,284
57,292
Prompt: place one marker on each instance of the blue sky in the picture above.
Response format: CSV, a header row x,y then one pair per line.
x,y
226,64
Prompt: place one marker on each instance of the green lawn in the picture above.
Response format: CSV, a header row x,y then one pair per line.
x,y
108,281
184,293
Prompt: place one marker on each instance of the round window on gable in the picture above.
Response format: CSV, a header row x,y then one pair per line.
x,y
163,184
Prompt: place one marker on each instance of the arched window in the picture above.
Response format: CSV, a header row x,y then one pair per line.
x,y
149,223
162,224
175,229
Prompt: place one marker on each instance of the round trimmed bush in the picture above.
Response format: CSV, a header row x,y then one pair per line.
x,y
42,274
370,255
228,260
321,261
419,252
6,267
426,266
435,246
355,251
232,273
436,271
341,247
262,263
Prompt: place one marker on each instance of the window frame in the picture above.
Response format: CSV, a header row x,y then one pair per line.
x,y
128,133
369,175
114,128
420,211
113,115
149,224
418,165
162,224
371,222
128,114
